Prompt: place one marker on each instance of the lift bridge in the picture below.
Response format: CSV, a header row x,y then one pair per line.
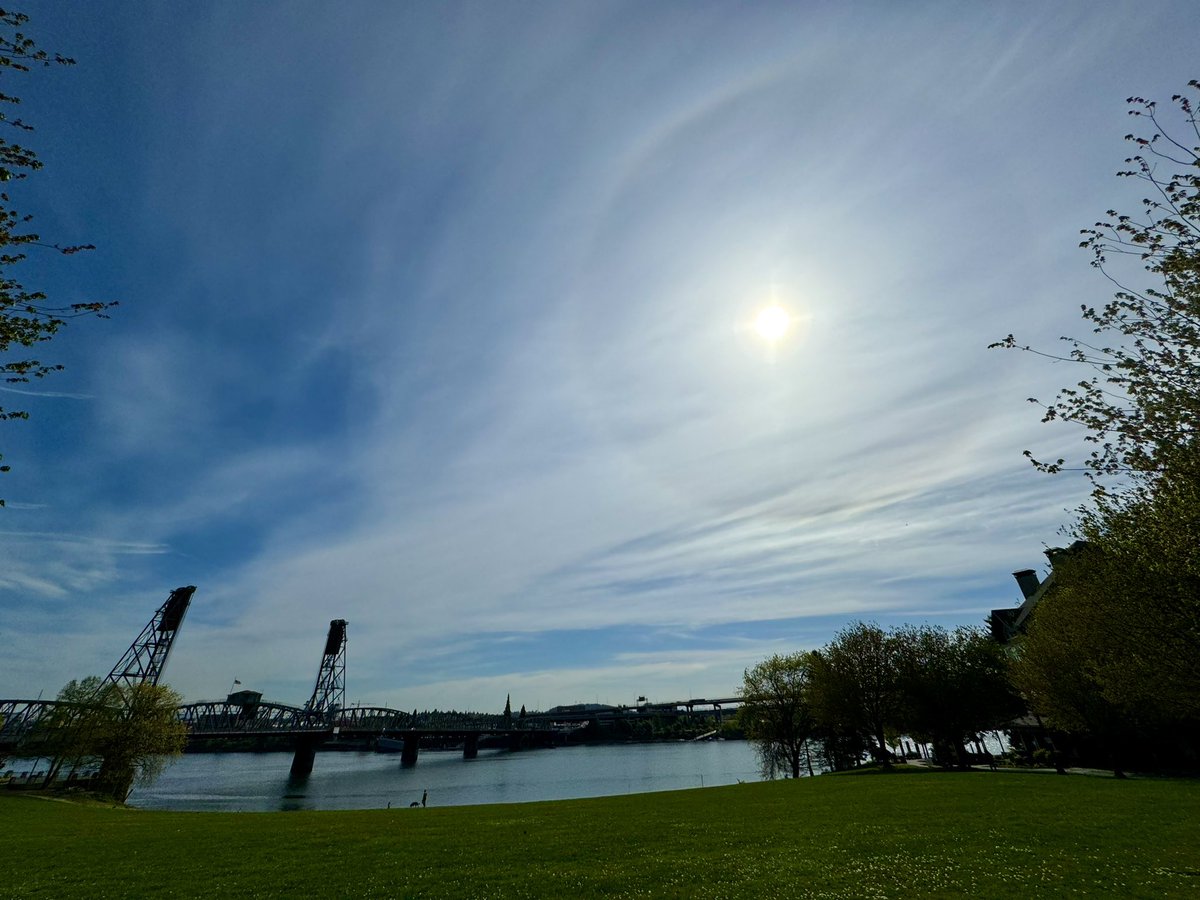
x,y
326,720
23,723
243,716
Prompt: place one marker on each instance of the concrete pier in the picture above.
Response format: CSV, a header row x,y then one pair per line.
x,y
412,746
306,755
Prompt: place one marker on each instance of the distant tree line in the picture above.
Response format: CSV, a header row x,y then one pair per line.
x,y
662,727
829,708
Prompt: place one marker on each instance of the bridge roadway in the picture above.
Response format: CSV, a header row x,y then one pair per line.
x,y
22,719
26,725
222,720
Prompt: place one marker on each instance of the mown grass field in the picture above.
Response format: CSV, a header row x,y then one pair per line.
x,y
974,834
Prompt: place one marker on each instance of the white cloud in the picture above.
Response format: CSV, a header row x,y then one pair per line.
x,y
452,342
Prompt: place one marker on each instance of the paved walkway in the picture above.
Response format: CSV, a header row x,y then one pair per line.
x,y
1071,770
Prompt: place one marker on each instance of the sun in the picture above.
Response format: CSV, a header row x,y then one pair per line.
x,y
773,323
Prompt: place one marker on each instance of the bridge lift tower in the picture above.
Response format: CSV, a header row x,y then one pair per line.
x,y
328,696
146,657
329,693
142,663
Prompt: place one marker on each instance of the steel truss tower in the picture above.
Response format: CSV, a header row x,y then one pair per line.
x,y
143,662
329,694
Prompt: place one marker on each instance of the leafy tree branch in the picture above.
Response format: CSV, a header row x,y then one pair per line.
x,y
27,317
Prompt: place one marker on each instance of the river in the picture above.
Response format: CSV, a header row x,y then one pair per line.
x,y
347,780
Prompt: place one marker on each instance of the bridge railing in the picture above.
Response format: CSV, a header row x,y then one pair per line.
x,y
374,718
378,718
219,716
222,717
24,720
21,719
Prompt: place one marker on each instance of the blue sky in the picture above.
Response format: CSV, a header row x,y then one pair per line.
x,y
437,317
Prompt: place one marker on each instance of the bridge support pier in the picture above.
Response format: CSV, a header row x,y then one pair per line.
x,y
412,745
306,755
471,746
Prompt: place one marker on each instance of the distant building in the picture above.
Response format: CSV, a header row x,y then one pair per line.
x,y
1006,624
577,708
247,700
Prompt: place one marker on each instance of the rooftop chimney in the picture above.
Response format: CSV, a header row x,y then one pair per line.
x,y
1027,580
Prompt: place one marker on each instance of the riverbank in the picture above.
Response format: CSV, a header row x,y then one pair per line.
x,y
957,834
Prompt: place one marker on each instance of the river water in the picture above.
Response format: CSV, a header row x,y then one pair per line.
x,y
349,780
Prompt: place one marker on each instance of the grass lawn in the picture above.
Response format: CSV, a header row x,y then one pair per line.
x,y
976,834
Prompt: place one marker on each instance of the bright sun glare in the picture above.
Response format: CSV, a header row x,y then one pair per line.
x,y
772,323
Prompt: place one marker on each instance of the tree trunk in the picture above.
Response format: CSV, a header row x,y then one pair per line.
x,y
115,779
52,772
960,750
885,758
1115,751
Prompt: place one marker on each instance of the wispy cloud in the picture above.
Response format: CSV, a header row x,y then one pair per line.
x,y
62,394
451,340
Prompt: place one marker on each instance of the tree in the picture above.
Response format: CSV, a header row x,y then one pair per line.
x,y
858,685
776,714
27,317
140,732
1114,650
951,687
1140,574
68,733
1141,404
129,731
1112,653
1058,660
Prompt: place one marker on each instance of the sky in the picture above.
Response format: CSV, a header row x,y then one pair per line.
x,y
439,318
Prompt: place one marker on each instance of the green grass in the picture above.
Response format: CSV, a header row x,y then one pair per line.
x,y
977,834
